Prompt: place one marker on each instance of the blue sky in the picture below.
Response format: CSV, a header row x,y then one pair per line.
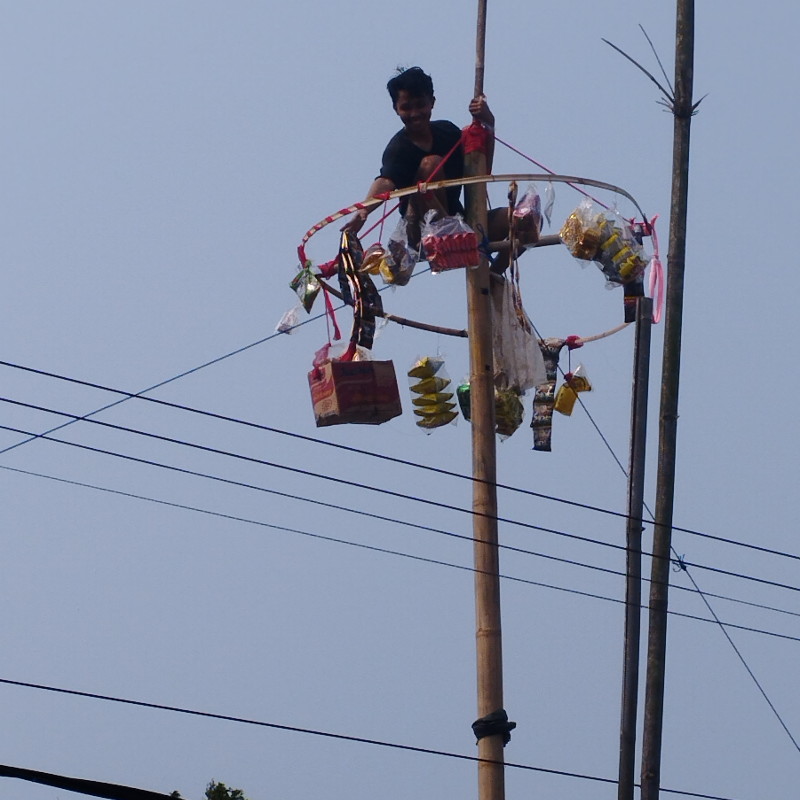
x,y
160,164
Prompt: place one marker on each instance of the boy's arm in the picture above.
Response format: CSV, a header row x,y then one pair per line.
x,y
379,186
480,111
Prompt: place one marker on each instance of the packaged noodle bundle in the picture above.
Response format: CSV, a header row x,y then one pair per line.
x,y
449,243
583,231
429,384
591,234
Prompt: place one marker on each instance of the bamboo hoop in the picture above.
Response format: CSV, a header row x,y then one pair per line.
x,y
431,186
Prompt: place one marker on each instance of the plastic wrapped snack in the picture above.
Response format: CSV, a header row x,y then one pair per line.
x,y
373,258
437,421
434,399
583,231
528,212
508,412
462,393
449,243
508,409
621,257
434,410
567,393
429,382
306,286
426,367
430,385
397,266
543,401
592,234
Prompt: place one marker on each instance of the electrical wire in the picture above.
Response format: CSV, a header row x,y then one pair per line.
x,y
359,451
362,486
388,551
741,658
158,385
684,567
684,564
331,735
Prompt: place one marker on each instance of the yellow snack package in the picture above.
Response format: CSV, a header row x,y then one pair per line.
x,y
432,411
438,420
432,399
567,394
430,385
426,367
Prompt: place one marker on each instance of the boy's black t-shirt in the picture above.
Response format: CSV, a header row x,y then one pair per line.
x,y
401,160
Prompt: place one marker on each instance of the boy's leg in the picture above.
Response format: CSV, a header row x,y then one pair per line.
x,y
526,234
419,204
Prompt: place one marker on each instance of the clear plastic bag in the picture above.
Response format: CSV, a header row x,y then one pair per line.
x,y
593,234
397,267
518,359
449,243
289,321
528,213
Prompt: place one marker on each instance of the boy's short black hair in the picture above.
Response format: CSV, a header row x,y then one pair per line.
x,y
413,80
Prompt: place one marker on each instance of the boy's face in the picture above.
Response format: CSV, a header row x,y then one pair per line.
x,y
414,110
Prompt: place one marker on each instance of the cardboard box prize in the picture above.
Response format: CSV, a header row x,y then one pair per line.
x,y
363,392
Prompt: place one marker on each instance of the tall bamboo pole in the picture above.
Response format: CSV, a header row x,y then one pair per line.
x,y
668,420
633,581
488,640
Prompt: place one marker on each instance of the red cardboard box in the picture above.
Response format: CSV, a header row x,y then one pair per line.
x,y
363,392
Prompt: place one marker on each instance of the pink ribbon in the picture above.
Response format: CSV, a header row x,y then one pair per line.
x,y
656,288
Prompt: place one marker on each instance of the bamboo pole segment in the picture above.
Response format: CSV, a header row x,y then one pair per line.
x,y
668,419
633,581
488,638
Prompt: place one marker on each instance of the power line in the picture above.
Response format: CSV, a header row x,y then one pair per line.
x,y
388,551
33,436
683,563
331,735
746,666
356,450
684,567
357,485
111,791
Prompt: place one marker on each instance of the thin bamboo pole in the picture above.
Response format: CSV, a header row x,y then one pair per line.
x,y
488,638
668,420
633,585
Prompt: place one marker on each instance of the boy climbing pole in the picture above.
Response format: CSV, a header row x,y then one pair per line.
x,y
425,150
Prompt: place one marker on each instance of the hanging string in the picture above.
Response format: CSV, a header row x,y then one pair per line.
x,y
381,220
547,169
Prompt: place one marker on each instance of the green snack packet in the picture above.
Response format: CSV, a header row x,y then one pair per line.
x,y
306,286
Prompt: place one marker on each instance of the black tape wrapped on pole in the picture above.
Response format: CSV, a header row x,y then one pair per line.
x,y
496,723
